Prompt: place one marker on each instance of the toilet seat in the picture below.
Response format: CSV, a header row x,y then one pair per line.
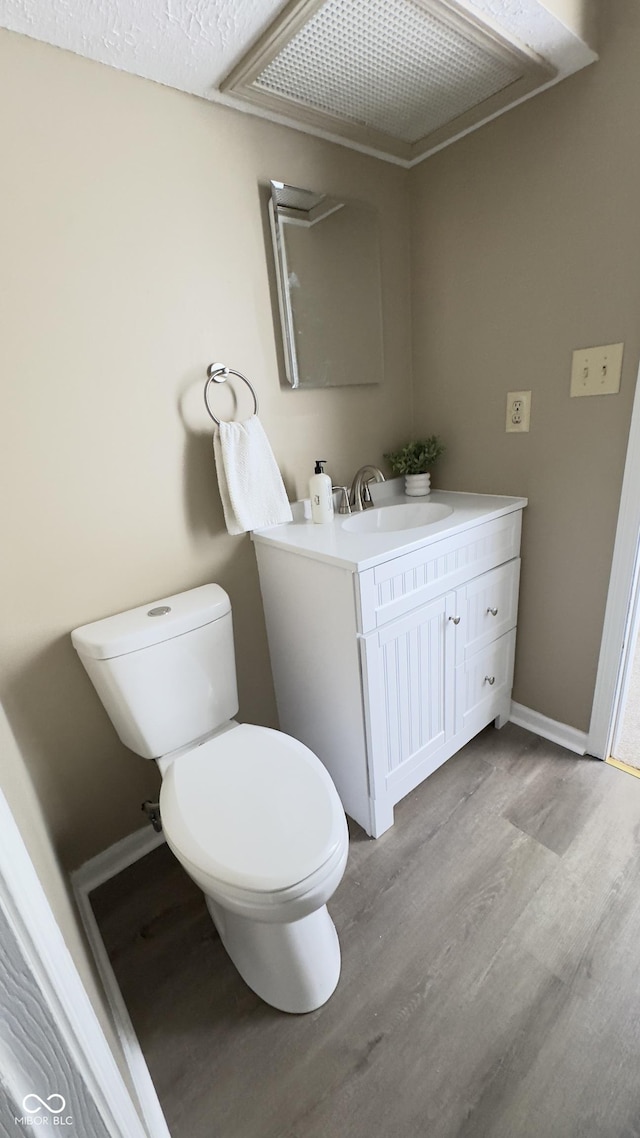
x,y
253,809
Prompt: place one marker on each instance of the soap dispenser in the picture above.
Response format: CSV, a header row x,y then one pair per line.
x,y
321,494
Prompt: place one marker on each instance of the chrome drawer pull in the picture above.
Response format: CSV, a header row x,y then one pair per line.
x,y
455,619
494,612
489,679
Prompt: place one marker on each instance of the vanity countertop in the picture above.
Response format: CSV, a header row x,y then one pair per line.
x,y
332,543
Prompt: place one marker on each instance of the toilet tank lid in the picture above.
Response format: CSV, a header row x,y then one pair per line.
x,y
152,623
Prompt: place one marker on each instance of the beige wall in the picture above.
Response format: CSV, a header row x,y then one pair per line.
x,y
136,249
526,241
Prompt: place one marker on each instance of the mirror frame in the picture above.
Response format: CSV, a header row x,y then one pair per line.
x,y
284,300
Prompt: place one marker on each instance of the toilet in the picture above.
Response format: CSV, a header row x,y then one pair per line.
x,y
251,813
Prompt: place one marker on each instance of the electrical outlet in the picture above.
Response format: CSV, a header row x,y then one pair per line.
x,y
596,371
518,410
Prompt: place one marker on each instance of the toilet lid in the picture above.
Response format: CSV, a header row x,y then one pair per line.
x,y
253,808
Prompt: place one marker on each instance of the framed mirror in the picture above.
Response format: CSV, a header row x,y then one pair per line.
x,y
327,258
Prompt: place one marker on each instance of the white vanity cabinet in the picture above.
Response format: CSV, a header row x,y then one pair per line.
x,y
386,670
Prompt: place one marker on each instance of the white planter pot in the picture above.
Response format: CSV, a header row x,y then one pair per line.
x,y
417,485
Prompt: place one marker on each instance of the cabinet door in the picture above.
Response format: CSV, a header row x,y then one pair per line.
x,y
483,682
488,607
408,694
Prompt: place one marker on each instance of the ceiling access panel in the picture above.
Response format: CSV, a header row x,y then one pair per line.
x,y
397,76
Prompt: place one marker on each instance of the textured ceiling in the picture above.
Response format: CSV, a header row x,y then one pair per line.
x,y
193,44
188,44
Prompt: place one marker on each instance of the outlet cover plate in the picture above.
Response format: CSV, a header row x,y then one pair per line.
x,y
596,371
518,411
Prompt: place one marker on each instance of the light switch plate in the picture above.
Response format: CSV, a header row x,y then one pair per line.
x,y
596,371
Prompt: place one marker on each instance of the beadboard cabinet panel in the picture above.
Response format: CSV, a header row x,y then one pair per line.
x,y
405,690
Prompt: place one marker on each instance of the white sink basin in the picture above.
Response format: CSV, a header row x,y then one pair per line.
x,y
390,519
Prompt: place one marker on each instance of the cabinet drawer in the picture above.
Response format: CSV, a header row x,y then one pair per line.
x,y
404,583
482,682
488,608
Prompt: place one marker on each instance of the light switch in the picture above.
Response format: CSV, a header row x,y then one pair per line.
x,y
596,371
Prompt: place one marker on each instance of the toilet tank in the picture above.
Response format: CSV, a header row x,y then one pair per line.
x,y
165,671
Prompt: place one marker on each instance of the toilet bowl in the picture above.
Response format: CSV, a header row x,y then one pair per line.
x,y
251,813
255,820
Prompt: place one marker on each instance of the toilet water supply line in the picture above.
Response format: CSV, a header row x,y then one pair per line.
x,y
152,810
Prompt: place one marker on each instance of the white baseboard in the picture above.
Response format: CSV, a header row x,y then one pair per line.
x,y
117,857
85,879
560,733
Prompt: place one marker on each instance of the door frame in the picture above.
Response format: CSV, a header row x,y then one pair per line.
x,y
627,665
624,583
32,937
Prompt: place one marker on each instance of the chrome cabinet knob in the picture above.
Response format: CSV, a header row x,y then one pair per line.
x,y
455,619
494,612
490,680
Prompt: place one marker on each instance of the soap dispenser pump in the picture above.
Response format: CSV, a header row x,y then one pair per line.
x,y
321,494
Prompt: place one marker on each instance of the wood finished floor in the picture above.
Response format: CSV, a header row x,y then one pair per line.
x,y
490,985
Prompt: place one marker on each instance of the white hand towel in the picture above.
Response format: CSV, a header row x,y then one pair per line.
x,y
251,486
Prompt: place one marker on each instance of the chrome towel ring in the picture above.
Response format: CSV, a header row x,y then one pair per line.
x,y
218,373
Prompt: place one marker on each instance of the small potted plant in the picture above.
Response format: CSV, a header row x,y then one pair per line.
x,y
414,460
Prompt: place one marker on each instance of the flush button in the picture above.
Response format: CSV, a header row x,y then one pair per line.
x,y
161,610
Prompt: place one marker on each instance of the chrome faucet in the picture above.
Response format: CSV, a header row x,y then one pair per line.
x,y
360,496
344,507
